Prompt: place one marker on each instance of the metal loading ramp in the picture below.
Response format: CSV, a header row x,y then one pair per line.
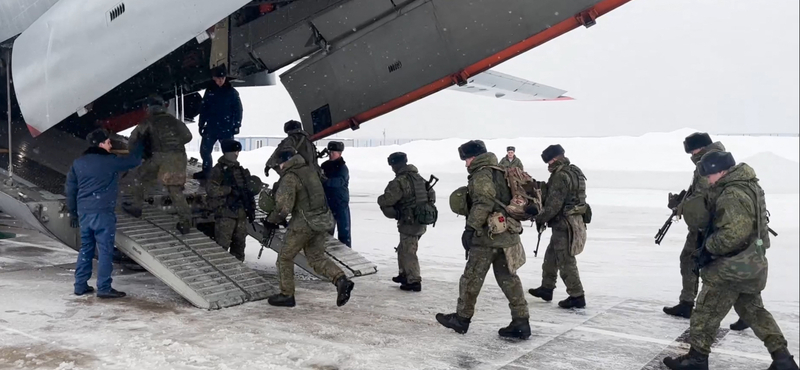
x,y
193,265
350,261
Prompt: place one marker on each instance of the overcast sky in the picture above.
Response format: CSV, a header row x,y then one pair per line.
x,y
723,66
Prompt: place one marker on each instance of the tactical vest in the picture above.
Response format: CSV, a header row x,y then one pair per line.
x,y
235,177
756,194
166,136
416,207
577,186
502,192
312,198
307,150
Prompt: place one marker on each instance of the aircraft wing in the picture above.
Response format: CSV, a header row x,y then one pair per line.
x,y
502,86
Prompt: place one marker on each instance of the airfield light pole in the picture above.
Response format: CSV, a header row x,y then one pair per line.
x,y
8,100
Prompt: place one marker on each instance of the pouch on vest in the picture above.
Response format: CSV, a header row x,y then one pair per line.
x,y
319,220
583,210
577,234
423,211
746,270
515,257
498,223
694,211
266,202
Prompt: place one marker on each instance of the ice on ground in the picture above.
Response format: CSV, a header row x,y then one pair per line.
x,y
627,279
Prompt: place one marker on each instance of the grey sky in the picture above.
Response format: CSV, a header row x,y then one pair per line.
x,y
724,66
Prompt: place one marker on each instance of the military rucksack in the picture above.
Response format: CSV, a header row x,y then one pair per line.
x,y
422,211
524,193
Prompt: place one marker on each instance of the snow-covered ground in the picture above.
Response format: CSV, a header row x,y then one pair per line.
x,y
626,276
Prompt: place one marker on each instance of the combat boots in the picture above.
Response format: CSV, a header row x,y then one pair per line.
x,y
401,279
453,321
683,309
691,361
543,293
343,288
132,210
281,300
411,287
519,328
739,325
183,228
573,302
782,360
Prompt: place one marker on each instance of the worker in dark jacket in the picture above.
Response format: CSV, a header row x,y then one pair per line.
x,y
336,189
220,117
92,188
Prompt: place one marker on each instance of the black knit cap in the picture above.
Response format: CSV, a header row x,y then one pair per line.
x,y
472,148
97,136
291,126
397,159
511,149
336,146
219,71
697,140
230,145
716,162
551,152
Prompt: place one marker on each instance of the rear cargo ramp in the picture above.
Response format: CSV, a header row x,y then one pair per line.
x,y
193,265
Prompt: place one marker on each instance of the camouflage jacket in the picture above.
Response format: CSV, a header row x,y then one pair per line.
x,y
160,132
299,141
399,193
299,193
227,189
739,213
486,187
561,192
516,162
694,208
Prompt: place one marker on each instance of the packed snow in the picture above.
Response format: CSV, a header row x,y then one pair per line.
x,y
627,279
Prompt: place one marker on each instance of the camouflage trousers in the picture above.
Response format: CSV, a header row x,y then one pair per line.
x,y
714,303
312,244
146,178
231,234
558,259
407,261
689,278
480,258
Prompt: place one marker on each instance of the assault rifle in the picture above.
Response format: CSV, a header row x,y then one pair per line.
x,y
323,153
541,230
702,258
266,240
432,181
674,201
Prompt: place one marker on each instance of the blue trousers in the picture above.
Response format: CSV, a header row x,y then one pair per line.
x,y
97,230
207,146
342,217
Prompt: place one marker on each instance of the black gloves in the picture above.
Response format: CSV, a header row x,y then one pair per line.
x,y
270,225
73,221
675,199
466,237
266,171
532,210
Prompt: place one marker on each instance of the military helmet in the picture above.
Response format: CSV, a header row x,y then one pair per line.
x,y
458,201
254,184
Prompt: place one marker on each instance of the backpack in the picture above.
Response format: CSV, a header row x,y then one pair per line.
x,y
524,193
423,210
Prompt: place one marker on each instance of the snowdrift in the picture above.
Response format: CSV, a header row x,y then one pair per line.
x,y
653,161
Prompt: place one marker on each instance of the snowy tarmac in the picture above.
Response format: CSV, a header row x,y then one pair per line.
x,y
627,278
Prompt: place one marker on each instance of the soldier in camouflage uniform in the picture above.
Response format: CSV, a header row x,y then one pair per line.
x,y
511,159
486,190
694,211
565,189
399,198
733,264
164,138
299,193
298,140
232,199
